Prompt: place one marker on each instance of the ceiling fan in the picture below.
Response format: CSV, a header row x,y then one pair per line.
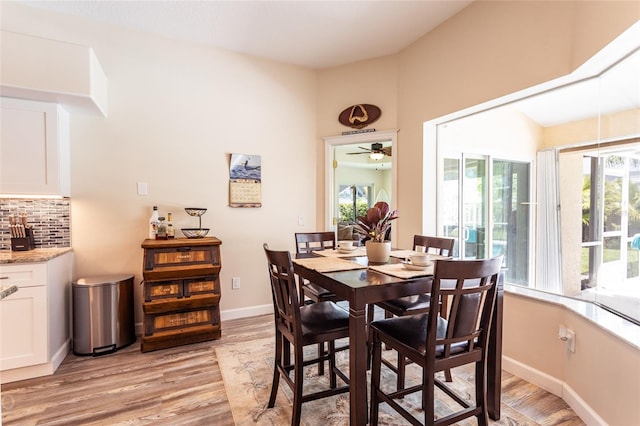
x,y
376,152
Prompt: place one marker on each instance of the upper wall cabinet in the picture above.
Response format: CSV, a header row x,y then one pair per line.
x,y
34,148
54,71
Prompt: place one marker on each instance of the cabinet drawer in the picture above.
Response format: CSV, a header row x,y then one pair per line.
x,y
171,257
163,290
163,322
24,274
204,285
156,290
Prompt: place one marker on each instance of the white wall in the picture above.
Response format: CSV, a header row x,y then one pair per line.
x,y
601,379
176,113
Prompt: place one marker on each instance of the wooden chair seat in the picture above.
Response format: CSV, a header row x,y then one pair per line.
x,y
414,305
299,326
437,344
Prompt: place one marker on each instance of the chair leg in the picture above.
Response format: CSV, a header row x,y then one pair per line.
x,y
428,396
332,364
447,375
321,363
481,397
276,371
370,312
298,379
402,363
376,366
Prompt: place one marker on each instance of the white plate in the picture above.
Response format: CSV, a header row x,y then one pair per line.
x,y
412,267
351,250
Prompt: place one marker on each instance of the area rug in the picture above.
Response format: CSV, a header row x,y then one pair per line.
x,y
247,371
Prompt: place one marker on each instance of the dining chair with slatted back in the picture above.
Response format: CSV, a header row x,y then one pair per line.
x,y
436,245
416,304
307,242
299,326
435,343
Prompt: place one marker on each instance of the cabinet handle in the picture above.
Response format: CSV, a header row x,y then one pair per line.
x,y
184,248
4,278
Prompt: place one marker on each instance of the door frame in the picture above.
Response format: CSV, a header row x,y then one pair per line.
x,y
352,139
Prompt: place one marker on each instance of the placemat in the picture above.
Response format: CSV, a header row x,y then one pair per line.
x,y
360,251
399,271
327,264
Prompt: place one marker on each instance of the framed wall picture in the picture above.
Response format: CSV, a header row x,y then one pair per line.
x,y
245,181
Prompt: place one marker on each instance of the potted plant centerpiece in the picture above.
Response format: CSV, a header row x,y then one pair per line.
x,y
376,224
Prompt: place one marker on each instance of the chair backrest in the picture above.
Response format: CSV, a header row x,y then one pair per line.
x,y
307,242
471,286
437,245
284,291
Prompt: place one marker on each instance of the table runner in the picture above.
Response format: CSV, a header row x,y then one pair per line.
x,y
399,271
327,264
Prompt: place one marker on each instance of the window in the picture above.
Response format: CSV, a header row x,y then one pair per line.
x,y
486,208
610,223
353,201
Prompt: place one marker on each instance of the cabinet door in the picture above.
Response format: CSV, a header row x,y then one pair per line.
x,y
23,328
34,148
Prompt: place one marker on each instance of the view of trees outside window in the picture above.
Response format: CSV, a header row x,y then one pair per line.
x,y
354,201
610,226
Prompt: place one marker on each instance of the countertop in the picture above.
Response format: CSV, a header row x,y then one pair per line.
x,y
6,290
32,256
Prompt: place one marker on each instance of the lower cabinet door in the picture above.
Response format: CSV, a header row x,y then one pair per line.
x,y
23,328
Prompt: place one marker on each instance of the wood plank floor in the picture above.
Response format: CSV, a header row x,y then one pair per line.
x,y
181,385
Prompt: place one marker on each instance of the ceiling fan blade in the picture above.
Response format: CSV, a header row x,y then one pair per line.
x,y
356,153
386,150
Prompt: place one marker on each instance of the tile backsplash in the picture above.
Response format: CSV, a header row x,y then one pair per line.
x,y
50,219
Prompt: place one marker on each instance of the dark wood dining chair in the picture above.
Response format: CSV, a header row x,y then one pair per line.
x,y
417,304
435,343
307,242
300,326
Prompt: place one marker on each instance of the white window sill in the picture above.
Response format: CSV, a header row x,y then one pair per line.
x,y
617,326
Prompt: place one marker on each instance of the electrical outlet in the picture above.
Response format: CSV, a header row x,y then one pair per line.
x,y
300,220
571,341
235,283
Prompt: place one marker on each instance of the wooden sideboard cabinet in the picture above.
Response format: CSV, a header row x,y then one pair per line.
x,y
181,302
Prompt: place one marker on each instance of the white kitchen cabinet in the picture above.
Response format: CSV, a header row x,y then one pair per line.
x,y
35,332
34,148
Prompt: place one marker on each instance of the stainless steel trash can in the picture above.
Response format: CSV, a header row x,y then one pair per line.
x,y
102,314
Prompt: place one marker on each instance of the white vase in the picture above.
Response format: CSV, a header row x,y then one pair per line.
x,y
378,252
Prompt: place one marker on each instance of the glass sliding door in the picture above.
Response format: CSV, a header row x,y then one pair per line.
x,y
510,218
485,206
464,207
474,208
450,196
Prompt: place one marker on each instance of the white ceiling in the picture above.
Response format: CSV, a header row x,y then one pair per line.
x,y
321,34
315,34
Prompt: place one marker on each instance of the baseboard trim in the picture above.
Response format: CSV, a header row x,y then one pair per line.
x,y
33,371
556,387
251,311
60,354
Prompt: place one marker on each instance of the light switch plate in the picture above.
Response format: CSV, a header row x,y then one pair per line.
x,y
142,188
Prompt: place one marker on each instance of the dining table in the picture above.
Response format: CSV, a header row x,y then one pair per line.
x,y
352,278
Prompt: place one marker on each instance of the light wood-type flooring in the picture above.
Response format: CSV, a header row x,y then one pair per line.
x,y
174,386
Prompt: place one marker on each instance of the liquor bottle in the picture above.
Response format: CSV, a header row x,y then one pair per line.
x,y
162,229
153,223
171,232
